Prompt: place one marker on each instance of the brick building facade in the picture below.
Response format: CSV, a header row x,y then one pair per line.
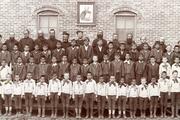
x,y
154,18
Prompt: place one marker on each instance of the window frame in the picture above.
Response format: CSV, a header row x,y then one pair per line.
x,y
48,13
126,14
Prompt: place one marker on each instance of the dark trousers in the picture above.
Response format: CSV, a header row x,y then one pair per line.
x,y
122,103
18,102
153,102
174,98
41,101
54,100
143,103
101,100
1,102
28,99
133,102
65,102
78,101
89,98
8,100
111,102
164,99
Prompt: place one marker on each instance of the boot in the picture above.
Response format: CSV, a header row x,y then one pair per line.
x,y
119,116
151,115
134,114
177,112
43,112
124,114
79,112
27,110
10,110
30,111
162,112
165,112
91,113
99,113
39,112
113,113
55,113
67,112
109,113
6,108
87,113
131,114
155,112
52,113
76,111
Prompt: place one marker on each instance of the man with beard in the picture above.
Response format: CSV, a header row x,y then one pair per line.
x,y
162,44
115,41
99,37
26,41
52,40
143,40
80,40
65,42
129,41
11,42
40,41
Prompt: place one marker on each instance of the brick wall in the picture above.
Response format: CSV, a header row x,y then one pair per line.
x,y
156,18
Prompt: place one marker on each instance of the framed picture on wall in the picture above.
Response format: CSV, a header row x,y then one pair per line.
x,y
86,13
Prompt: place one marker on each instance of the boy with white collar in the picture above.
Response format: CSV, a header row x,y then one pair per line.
x,y
78,94
101,96
154,95
111,95
53,93
143,96
90,90
66,94
164,86
41,94
29,87
122,97
8,94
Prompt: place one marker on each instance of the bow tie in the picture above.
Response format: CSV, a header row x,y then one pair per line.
x,y
153,84
122,84
79,82
112,83
144,86
128,62
65,81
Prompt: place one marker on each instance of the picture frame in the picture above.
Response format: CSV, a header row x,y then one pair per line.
x,y
86,13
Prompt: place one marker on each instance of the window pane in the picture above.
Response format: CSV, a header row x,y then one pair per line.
x,y
129,22
53,21
43,21
45,30
120,22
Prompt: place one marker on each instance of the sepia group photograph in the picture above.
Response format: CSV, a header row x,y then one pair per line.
x,y
89,60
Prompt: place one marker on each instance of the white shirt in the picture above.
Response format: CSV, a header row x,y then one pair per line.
x,y
54,86
18,88
4,71
143,91
66,87
29,86
133,91
41,89
176,67
90,86
164,85
153,89
8,88
123,90
175,85
165,67
112,89
101,89
78,88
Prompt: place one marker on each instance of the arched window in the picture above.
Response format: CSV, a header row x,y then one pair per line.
x,y
125,23
47,20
